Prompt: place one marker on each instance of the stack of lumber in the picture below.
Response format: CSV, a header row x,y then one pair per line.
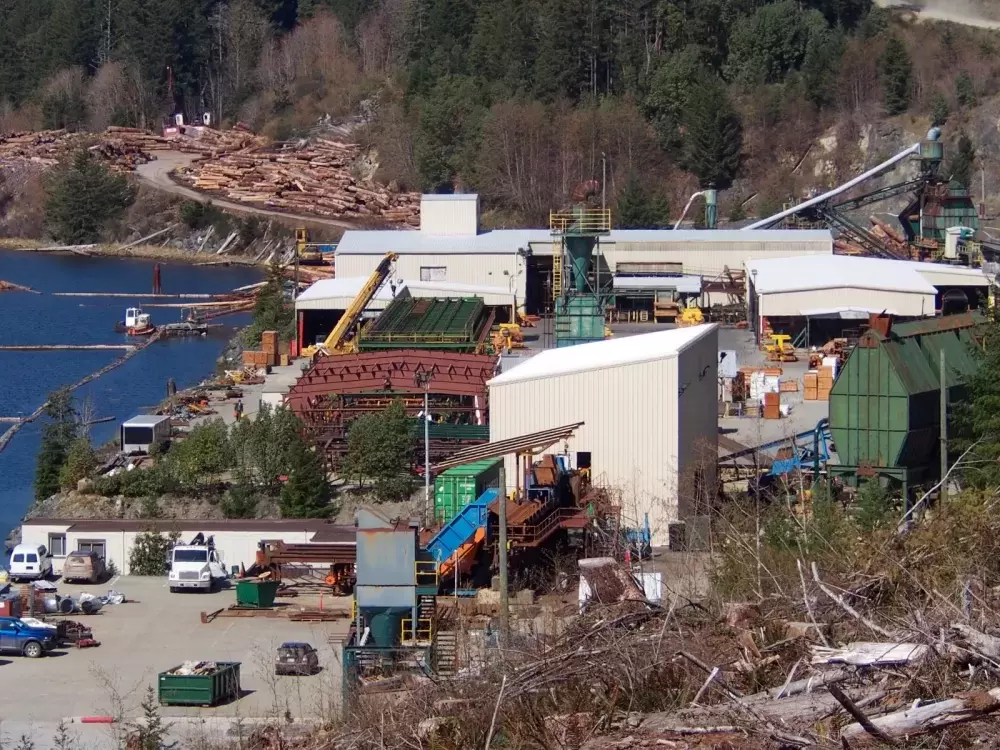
x,y
310,178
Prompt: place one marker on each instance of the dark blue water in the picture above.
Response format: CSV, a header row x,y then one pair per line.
x,y
27,377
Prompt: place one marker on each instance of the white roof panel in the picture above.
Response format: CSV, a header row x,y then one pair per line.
x,y
348,286
144,420
452,289
720,235
598,355
810,272
379,242
683,284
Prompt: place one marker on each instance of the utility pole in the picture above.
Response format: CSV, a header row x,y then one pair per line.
x,y
504,599
423,379
944,432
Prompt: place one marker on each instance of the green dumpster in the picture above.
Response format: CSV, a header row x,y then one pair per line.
x,y
256,594
208,688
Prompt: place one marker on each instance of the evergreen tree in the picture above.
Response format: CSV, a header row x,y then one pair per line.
x,y
896,70
151,733
57,435
306,492
965,90
379,449
449,118
84,196
80,462
272,311
939,110
963,161
673,85
640,209
713,141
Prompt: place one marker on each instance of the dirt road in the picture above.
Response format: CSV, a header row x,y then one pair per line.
x,y
979,14
157,174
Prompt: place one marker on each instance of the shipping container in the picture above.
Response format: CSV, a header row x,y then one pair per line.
x,y
459,486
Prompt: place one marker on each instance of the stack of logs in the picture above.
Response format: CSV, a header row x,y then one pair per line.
x,y
314,178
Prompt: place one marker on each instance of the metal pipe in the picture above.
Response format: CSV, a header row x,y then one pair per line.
x,y
504,600
874,172
687,207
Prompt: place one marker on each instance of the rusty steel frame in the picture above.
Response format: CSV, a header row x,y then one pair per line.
x,y
394,372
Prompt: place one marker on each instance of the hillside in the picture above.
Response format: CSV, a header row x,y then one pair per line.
x,y
520,100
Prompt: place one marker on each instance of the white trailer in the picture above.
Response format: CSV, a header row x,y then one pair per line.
x,y
140,434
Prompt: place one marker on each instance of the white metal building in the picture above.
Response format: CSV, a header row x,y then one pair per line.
x,y
236,540
449,247
808,285
648,404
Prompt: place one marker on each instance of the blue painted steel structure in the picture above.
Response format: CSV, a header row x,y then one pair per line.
x,y
462,527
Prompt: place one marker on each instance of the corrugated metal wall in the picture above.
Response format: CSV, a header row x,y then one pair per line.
x,y
449,216
482,269
698,447
708,258
898,303
631,425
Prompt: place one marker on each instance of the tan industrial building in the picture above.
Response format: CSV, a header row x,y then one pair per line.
x,y
449,247
648,408
113,539
795,294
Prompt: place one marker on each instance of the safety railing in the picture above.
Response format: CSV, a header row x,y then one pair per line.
x,y
580,221
424,632
425,573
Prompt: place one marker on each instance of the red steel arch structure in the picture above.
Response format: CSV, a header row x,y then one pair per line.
x,y
338,389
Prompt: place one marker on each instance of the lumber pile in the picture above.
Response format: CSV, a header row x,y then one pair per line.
x,y
313,178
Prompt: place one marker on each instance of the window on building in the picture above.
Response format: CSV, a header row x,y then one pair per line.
x,y
57,545
92,545
433,273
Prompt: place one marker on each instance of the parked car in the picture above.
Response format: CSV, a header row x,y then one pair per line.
x,y
18,637
29,562
82,566
296,659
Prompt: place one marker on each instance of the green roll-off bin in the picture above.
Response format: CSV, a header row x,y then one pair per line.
x,y
256,594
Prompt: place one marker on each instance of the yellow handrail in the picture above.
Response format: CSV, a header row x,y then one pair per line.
x,y
425,572
424,632
580,221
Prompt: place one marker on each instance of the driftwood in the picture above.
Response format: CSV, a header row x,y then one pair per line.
x,y
863,654
987,645
932,716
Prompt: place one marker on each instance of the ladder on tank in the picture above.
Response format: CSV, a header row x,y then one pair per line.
x,y
557,262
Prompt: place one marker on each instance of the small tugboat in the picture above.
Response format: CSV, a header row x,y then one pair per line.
x,y
137,323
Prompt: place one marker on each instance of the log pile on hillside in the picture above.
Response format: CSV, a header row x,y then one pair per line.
x,y
314,178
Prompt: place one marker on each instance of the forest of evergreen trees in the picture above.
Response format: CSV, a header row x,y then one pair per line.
x,y
519,99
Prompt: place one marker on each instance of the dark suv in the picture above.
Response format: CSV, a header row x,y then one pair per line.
x,y
296,658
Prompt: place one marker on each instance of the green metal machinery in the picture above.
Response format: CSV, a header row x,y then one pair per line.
x,y
580,294
460,325
885,414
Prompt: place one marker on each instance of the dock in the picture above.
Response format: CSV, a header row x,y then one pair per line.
x,y
67,347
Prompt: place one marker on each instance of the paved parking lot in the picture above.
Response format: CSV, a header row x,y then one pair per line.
x,y
156,630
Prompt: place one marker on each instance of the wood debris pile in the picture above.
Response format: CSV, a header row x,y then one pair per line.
x,y
312,178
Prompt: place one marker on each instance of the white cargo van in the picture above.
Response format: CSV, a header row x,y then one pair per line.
x,y
30,563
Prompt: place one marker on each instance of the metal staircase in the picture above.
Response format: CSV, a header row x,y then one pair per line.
x,y
446,653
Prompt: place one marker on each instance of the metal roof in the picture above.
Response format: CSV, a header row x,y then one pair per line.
x,y
449,197
534,441
145,420
322,293
509,241
599,355
811,272
331,531
915,349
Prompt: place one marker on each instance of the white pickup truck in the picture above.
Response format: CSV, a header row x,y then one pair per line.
x,y
197,565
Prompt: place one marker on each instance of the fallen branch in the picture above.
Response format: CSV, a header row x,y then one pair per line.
x,y
859,716
933,716
809,610
148,237
847,607
987,645
864,654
